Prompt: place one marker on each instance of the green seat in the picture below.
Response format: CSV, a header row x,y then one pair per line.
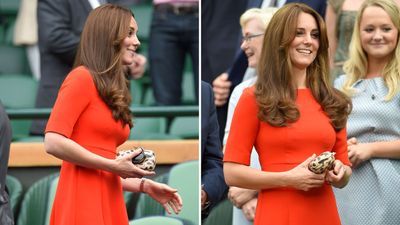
x,y
185,177
143,14
156,220
50,200
9,7
18,92
15,191
150,128
35,203
220,214
136,90
147,206
188,90
13,60
185,127
149,99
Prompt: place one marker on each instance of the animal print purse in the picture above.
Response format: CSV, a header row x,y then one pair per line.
x,y
146,160
322,162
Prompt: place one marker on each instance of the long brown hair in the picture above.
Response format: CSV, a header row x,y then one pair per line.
x,y
276,88
100,52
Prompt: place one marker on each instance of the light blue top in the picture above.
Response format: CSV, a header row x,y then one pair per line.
x,y
372,197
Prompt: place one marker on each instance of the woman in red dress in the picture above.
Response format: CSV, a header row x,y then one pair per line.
x,y
90,118
291,115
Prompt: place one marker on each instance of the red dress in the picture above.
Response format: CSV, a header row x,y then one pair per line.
x,y
281,149
87,196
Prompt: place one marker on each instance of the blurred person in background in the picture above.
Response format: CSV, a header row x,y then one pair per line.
x,y
372,78
213,188
174,34
340,17
90,119
60,24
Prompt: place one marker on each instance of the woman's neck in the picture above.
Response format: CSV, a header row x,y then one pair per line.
x,y
375,67
300,77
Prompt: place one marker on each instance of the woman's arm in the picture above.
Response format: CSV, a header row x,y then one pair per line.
x,y
68,150
165,195
300,177
360,152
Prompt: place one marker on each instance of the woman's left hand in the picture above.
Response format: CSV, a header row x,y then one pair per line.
x,y
165,195
339,175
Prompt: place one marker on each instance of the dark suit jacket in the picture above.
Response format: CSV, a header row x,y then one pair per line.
x,y
60,24
212,176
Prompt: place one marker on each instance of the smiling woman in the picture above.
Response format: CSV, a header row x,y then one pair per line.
x,y
90,119
372,81
282,116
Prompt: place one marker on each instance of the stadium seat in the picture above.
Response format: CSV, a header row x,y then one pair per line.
x,y
151,128
50,200
156,220
13,60
136,90
179,127
143,14
221,214
35,203
188,90
10,7
14,187
184,177
18,92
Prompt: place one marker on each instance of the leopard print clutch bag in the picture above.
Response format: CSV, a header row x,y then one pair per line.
x,y
146,160
322,162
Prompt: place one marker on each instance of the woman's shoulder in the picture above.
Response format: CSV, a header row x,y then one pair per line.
x,y
79,78
80,75
339,82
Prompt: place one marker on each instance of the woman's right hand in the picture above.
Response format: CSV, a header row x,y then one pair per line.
x,y
126,169
302,178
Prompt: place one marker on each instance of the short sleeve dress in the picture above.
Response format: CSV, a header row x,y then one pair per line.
x,y
283,148
87,196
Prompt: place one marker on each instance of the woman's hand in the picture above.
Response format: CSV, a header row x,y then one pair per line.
x,y
358,153
165,195
126,169
302,178
240,196
249,209
339,176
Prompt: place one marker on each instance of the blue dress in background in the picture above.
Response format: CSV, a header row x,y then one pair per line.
x,y
372,197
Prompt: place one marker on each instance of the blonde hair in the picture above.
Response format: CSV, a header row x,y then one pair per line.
x,y
264,15
356,66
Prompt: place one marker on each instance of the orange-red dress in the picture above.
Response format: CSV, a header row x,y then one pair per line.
x,y
87,196
281,149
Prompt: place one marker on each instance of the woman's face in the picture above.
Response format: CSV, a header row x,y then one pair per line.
x,y
130,44
377,33
253,37
304,47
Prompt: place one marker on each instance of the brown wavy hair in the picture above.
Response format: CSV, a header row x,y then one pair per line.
x,y
100,52
275,89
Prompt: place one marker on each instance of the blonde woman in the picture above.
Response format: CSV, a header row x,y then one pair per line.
x,y
372,80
